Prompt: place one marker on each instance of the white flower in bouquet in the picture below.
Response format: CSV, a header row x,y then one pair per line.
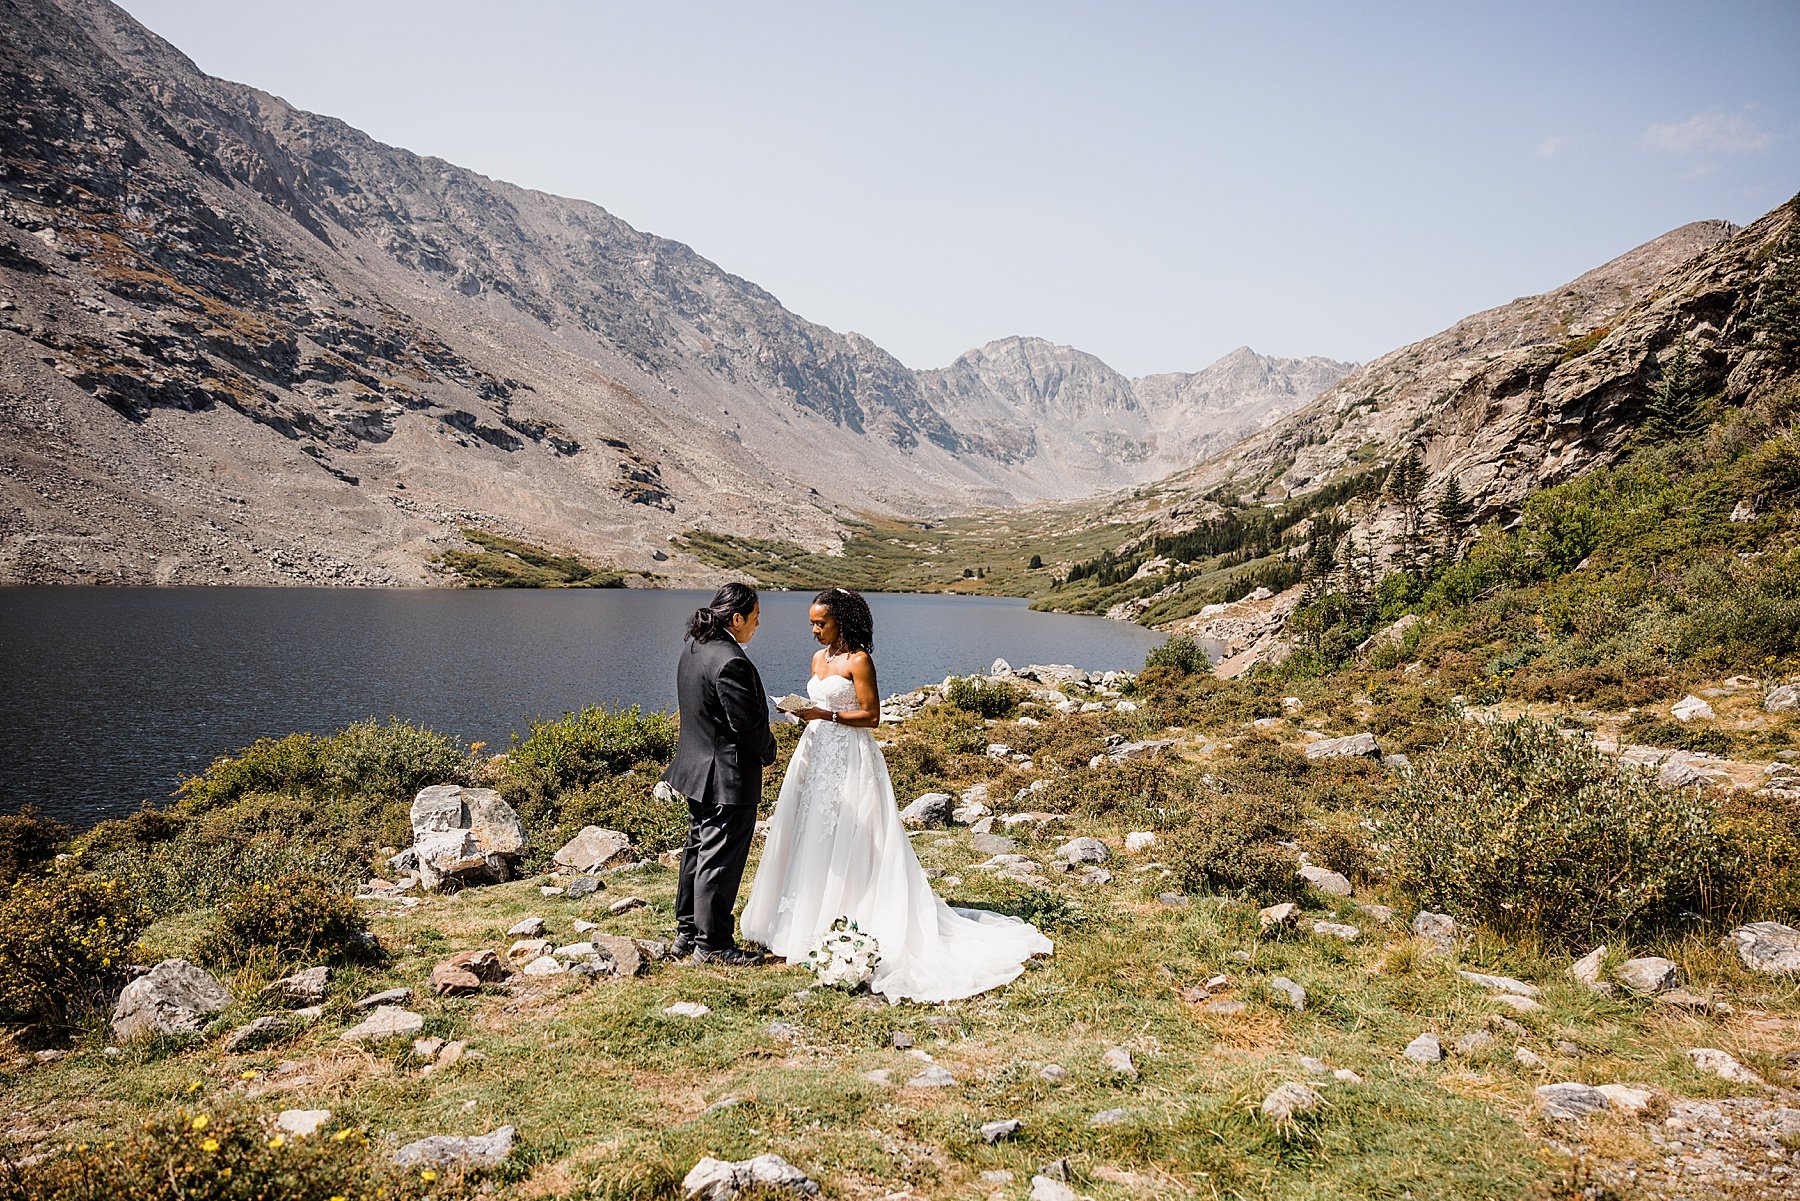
x,y
844,957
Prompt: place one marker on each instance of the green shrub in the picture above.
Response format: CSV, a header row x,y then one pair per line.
x,y
1650,730
1340,842
291,766
1764,833
28,840
62,942
983,697
1230,846
622,802
391,762
297,917
585,748
197,870
223,1156
1517,828
1181,655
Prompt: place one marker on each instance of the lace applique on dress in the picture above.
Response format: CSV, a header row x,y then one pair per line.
x,y
830,754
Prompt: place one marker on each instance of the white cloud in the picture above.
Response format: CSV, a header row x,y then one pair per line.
x,y
1551,147
1711,133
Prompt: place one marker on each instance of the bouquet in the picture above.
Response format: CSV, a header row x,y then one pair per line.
x,y
845,957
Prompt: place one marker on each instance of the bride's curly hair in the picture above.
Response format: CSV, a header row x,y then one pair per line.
x,y
856,625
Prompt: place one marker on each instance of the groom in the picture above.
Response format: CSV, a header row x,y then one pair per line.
x,y
725,744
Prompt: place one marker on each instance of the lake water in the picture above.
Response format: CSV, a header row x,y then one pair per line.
x,y
109,695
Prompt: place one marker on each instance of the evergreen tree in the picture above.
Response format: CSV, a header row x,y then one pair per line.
x,y
1676,409
1453,510
1406,487
1776,313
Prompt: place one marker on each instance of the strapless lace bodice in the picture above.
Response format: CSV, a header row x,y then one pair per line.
x,y
832,692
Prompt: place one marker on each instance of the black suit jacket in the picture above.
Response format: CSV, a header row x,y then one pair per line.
x,y
725,736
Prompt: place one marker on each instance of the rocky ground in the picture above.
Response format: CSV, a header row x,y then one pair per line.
x,y
1175,1045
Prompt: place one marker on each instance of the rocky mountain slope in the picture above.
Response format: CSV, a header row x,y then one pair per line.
x,y
1523,395
243,342
1062,411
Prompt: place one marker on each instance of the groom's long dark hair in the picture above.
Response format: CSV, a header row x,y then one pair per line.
x,y
714,621
856,625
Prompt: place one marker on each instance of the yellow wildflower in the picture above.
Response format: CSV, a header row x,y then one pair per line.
x,y
211,1144
428,1175
200,1122
279,1140
247,1074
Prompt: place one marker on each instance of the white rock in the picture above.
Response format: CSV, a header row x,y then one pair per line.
x,y
1356,745
1054,1073
1139,840
1767,947
1082,850
930,809
445,1150
1784,699
1501,984
1525,1057
1347,1076
1648,975
595,849
1436,930
1513,1000
1296,995
174,997
1625,1098
302,1122
626,905
389,1021
1045,1189
687,1009
716,1180
1586,970
1325,880
1570,1100
1722,1065
1289,1099
1119,1060
1690,708
1337,930
993,1132
1424,1049
932,1077
529,927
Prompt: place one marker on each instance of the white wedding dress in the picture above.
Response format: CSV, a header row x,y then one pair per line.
x,y
835,847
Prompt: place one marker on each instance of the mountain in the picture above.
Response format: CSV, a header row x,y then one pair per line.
x,y
1056,410
243,342
1519,396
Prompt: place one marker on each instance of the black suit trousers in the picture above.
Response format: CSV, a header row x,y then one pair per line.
x,y
712,866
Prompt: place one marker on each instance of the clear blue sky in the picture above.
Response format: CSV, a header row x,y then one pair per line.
x,y
1155,183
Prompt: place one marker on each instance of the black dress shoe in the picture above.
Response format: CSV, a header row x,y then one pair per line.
x,y
734,957
682,947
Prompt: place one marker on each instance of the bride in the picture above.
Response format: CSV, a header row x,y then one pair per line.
x,y
835,846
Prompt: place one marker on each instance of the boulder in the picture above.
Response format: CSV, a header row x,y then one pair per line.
x,y
1139,840
1436,930
303,988
1344,748
931,809
1648,975
389,1021
932,1077
1284,916
1289,1099
1569,1100
302,1123
1082,850
1723,1065
595,849
1767,947
582,886
993,1132
462,836
1586,970
484,963
1325,880
255,1033
1784,699
1424,1049
450,980
530,927
1691,708
623,956
1625,1098
717,1180
174,997
458,1151
993,844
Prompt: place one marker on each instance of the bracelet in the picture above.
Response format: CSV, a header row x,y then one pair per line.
x,y
834,716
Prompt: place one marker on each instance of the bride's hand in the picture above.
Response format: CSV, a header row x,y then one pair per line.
x,y
813,714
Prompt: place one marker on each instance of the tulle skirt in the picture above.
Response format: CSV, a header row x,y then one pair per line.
x,y
835,847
